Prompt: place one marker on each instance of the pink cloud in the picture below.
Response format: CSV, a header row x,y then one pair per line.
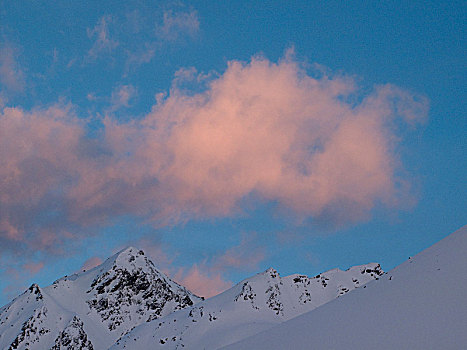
x,y
8,230
208,277
272,130
261,129
201,282
11,74
91,263
33,268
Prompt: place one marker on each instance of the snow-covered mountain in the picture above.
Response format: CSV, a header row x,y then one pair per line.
x,y
127,303
421,304
253,305
92,309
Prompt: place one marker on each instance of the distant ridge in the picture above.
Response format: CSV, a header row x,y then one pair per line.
x,y
255,304
421,304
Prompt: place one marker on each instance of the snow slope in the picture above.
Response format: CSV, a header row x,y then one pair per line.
x,y
92,309
253,305
421,304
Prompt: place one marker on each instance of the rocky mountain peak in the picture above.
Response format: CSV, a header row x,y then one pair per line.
x,y
114,297
133,289
34,289
271,273
131,256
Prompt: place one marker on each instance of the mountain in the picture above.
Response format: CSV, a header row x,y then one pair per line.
x,y
420,304
92,309
127,303
253,305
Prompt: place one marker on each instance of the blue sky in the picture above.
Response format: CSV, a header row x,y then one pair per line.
x,y
227,137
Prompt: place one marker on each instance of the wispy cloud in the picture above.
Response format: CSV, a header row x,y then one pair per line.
x,y
12,77
103,43
138,37
34,268
142,55
178,23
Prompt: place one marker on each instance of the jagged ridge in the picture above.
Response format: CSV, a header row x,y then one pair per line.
x,y
251,306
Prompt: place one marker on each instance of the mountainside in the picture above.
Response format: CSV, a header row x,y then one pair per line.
x,y
92,309
420,304
253,305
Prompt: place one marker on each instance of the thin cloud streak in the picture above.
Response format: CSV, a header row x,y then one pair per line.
x,y
34,268
11,74
12,77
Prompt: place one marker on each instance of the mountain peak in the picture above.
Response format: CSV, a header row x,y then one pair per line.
x,y
130,281
34,289
130,251
114,297
131,257
267,274
402,310
271,272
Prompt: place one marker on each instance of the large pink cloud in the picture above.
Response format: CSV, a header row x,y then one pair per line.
x,y
271,130
316,146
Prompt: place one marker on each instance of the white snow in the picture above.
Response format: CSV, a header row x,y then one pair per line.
x,y
253,305
126,303
421,304
96,306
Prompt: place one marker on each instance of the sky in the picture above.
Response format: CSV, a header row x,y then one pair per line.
x,y
227,137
